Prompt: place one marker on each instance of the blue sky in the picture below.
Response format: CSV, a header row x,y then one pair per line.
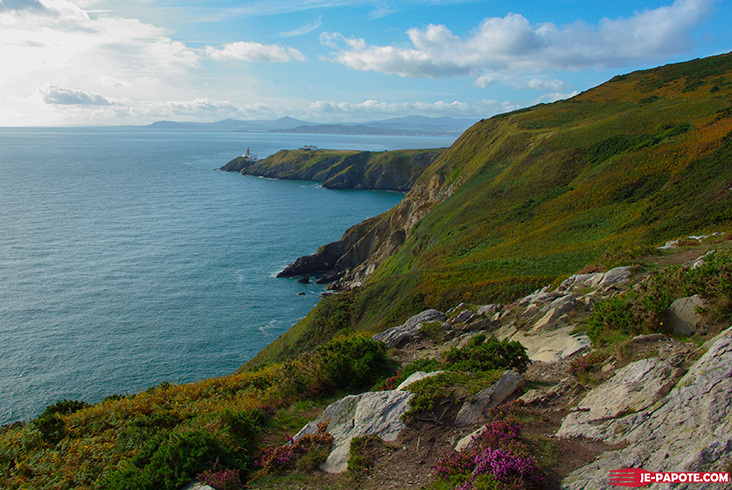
x,y
81,62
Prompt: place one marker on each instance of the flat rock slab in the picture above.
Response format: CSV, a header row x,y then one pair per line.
x,y
552,346
635,387
690,429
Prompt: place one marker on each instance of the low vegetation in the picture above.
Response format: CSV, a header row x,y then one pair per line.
x,y
643,310
539,194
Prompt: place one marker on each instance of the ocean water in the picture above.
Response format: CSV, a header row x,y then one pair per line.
x,y
125,261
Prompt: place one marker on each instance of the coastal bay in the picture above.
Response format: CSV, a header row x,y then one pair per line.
x,y
126,262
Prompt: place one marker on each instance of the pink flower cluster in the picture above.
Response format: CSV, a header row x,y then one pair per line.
x,y
584,364
221,480
492,455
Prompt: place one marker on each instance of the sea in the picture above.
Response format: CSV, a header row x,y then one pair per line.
x,y
126,260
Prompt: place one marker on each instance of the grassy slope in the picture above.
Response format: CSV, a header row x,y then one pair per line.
x,y
551,189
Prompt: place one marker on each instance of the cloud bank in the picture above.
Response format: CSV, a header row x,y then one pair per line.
x,y
511,44
254,52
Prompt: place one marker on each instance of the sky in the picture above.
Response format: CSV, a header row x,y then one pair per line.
x,y
131,62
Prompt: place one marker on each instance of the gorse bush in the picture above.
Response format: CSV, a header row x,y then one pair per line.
x,y
50,424
169,461
346,363
482,355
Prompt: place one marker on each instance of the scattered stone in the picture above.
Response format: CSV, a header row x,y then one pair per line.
x,y
468,441
669,244
682,317
614,277
198,486
474,412
304,279
418,376
700,261
463,317
489,310
374,413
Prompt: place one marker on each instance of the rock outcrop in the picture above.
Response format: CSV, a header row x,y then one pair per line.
x,y
474,411
374,413
632,389
401,334
690,429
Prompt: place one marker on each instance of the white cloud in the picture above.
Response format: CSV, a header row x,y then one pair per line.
x,y
304,29
324,109
511,44
53,94
382,10
21,5
484,81
553,97
254,52
552,85
63,42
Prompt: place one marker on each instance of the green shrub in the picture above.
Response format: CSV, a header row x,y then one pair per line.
x,y
643,310
167,462
361,455
50,424
346,363
450,385
479,355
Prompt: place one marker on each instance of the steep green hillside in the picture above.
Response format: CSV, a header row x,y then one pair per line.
x,y
338,169
528,197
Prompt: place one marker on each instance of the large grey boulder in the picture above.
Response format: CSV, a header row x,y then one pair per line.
x,y
473,412
633,388
374,413
690,429
401,334
682,316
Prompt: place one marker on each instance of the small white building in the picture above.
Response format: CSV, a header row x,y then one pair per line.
x,y
309,148
248,156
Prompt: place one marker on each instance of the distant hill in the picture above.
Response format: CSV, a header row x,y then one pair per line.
x,y
283,123
406,126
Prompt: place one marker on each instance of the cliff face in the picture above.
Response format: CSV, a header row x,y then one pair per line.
x,y
347,263
389,170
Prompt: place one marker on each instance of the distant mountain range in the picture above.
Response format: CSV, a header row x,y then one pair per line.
x,y
407,126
